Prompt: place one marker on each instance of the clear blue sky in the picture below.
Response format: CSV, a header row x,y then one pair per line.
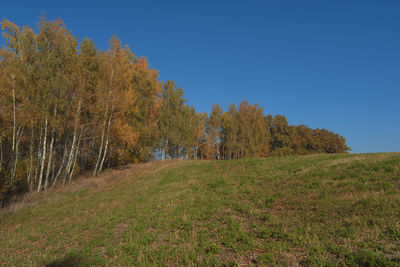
x,y
326,64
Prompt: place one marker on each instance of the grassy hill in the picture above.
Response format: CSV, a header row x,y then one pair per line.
x,y
322,209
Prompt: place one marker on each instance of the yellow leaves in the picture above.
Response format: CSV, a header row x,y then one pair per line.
x,y
123,132
142,64
10,32
123,137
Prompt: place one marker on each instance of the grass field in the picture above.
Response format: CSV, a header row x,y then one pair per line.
x,y
306,210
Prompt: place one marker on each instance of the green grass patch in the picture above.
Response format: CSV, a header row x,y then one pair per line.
x,y
297,210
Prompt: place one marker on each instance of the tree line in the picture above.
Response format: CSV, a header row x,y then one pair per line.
x,y
67,107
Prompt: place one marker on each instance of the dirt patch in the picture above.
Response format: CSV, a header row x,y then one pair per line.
x,y
120,228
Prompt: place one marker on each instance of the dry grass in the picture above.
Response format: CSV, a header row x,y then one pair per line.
x,y
110,177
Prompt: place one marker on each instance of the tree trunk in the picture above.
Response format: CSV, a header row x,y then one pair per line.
x,y
62,164
29,175
38,158
75,157
14,131
46,182
107,140
71,153
43,159
100,157
14,173
100,151
14,114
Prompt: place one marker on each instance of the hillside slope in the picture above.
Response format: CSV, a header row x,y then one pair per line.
x,y
291,210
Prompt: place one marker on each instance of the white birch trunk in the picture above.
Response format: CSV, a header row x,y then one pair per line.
x,y
104,156
14,173
38,158
46,181
71,153
100,151
100,157
75,157
43,159
14,131
61,166
107,140
29,175
14,114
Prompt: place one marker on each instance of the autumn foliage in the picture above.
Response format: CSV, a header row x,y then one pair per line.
x,y
67,107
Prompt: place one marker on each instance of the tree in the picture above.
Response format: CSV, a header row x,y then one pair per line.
x,y
230,129
67,108
148,89
170,122
214,130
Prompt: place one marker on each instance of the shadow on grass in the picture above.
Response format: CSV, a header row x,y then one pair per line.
x,y
70,261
